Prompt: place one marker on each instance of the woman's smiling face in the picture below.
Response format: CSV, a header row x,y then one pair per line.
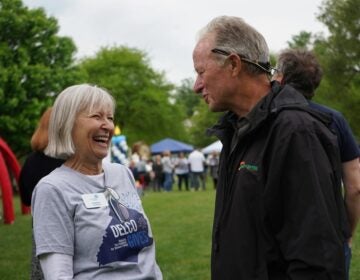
x,y
92,133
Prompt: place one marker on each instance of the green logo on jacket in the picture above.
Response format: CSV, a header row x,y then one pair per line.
x,y
250,167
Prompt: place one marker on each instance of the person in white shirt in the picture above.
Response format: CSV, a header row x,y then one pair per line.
x,y
197,169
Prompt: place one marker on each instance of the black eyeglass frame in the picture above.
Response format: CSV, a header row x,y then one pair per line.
x,y
264,66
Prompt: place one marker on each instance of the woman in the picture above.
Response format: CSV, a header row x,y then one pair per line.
x,y
88,219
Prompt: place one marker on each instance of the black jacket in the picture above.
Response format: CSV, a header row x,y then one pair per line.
x,y
279,213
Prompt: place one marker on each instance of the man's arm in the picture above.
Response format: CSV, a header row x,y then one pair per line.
x,y
351,179
304,204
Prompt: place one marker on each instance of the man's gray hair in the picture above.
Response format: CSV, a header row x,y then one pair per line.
x,y
68,104
234,35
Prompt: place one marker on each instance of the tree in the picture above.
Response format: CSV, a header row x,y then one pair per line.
x,y
340,58
342,18
143,110
202,119
198,115
303,41
186,97
35,63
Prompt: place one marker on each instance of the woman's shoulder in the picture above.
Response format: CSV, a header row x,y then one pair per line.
x,y
117,167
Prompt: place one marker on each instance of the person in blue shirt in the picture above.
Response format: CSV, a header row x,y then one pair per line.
x,y
300,69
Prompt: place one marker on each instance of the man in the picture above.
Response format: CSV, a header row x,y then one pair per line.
x,y
278,209
196,161
301,70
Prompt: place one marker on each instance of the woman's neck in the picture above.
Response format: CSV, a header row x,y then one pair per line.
x,y
84,168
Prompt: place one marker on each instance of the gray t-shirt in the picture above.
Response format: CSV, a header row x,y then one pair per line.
x,y
113,241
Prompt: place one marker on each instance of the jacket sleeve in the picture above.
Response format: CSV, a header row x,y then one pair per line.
x,y
303,193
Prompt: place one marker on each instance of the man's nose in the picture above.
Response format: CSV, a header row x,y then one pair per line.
x,y
198,85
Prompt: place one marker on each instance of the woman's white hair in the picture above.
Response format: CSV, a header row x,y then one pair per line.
x,y
68,104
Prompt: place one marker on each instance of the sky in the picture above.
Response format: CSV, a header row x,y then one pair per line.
x,y
166,29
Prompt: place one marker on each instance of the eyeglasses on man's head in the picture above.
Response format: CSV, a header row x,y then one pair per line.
x,y
264,66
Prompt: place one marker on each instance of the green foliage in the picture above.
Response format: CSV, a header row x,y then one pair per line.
x,y
202,119
342,20
35,63
339,54
144,111
199,118
301,41
186,97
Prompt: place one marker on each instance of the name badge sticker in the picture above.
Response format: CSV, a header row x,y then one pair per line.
x,y
94,200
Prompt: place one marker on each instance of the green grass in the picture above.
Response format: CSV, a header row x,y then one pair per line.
x,y
15,244
181,223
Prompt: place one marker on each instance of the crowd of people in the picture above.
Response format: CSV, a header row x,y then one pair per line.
x,y
187,171
280,212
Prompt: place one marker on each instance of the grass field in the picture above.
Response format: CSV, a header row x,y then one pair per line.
x,y
181,222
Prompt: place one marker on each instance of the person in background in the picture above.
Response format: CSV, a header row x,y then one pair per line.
x,y
182,171
197,169
36,166
168,168
300,69
213,164
158,174
278,208
141,171
88,219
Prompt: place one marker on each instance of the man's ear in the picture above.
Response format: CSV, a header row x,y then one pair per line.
x,y
278,77
235,64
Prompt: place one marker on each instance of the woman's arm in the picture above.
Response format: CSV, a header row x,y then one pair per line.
x,y
56,266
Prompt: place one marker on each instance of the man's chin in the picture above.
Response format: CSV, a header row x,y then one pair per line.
x,y
215,109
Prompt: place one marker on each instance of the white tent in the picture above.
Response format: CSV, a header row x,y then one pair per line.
x,y
214,147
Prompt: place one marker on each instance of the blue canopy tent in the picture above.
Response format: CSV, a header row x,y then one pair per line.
x,y
171,145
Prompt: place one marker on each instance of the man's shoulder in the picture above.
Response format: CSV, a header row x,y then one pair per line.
x,y
288,123
339,120
295,118
323,108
